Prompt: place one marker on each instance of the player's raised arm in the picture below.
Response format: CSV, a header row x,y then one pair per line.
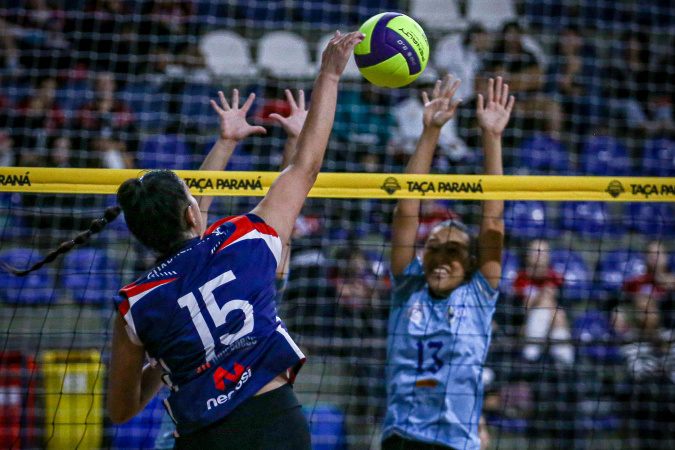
x,y
293,125
437,112
493,116
233,128
283,202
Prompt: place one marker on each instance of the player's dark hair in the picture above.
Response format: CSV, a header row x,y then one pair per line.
x,y
96,226
154,208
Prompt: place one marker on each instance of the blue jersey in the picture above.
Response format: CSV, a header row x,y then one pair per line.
x,y
435,354
207,316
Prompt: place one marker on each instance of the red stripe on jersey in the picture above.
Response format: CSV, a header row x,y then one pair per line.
x,y
246,226
124,307
133,290
210,229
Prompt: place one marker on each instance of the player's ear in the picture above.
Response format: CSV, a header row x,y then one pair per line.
x,y
190,218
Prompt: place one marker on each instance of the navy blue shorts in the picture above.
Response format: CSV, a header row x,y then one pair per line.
x,y
273,420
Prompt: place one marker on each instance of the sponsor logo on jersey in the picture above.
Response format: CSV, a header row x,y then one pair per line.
x,y
239,378
416,313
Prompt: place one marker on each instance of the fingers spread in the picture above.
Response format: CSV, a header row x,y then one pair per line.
x,y
249,101
498,90
223,101
301,99
425,98
291,100
509,106
437,89
505,95
481,103
491,87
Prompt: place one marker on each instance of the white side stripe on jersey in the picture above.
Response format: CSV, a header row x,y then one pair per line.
x,y
288,338
273,242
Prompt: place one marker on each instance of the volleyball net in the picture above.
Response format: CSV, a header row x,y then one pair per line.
x,y
94,91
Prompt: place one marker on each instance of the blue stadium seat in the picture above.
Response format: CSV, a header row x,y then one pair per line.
x,y
71,95
589,219
595,337
543,155
90,276
617,266
577,278
148,102
510,268
527,220
653,219
37,288
326,424
196,107
164,151
659,157
239,161
605,156
141,431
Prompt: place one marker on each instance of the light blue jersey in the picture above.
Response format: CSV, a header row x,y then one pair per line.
x,y
435,355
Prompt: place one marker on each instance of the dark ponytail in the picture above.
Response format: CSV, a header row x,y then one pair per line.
x,y
111,213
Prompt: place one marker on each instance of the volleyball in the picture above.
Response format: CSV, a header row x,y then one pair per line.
x,y
394,52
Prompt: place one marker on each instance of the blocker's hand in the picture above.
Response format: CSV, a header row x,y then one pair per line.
x,y
441,108
293,123
233,125
337,53
493,117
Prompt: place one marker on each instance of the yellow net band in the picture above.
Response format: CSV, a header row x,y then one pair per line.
x,y
356,185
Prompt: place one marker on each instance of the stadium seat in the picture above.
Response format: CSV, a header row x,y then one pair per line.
x,y
141,431
510,268
577,278
285,55
239,161
148,102
325,14
89,276
227,54
653,219
527,220
543,155
659,157
264,14
617,266
438,15
196,108
164,151
605,156
327,427
594,335
351,70
37,288
492,14
589,219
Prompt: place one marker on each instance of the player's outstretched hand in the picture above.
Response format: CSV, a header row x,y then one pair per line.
x,y
493,116
233,125
442,107
337,53
294,122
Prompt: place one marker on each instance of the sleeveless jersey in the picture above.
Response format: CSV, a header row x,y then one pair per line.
x,y
207,316
435,355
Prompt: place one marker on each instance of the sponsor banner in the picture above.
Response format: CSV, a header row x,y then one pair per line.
x,y
357,185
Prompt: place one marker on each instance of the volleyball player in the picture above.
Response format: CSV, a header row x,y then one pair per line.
x,y
205,315
442,304
293,125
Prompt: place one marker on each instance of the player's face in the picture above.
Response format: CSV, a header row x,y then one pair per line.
x,y
445,258
198,226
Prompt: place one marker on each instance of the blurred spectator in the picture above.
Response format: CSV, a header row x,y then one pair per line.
x,y
61,153
632,87
6,149
108,127
38,39
464,58
574,79
170,23
9,50
483,433
364,121
360,328
523,72
33,120
409,124
649,297
98,32
538,287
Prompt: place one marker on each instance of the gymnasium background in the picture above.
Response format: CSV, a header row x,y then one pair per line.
x,y
125,84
